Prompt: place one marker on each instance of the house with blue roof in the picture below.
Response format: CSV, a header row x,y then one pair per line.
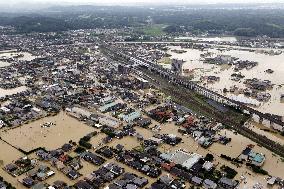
x,y
108,106
256,158
252,157
130,117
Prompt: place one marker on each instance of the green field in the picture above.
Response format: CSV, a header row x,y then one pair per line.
x,y
153,30
164,60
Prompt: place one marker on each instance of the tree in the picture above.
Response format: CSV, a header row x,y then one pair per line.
x,y
209,157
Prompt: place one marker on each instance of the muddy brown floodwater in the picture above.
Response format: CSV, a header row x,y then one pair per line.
x,y
32,135
276,63
7,154
7,92
273,164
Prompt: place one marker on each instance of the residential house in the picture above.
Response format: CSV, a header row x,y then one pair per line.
x,y
209,184
227,183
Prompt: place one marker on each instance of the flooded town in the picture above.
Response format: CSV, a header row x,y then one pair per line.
x,y
93,108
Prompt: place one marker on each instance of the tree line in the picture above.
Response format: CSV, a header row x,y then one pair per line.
x,y
240,22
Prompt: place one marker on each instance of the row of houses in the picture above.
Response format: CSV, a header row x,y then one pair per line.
x,y
19,112
190,166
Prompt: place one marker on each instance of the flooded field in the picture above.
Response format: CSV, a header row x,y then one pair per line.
x,y
17,55
4,64
198,69
32,135
214,39
14,55
7,92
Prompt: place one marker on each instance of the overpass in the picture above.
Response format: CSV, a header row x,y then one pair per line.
x,y
183,81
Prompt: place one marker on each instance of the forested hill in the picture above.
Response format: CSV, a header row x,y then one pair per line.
x,y
27,24
241,21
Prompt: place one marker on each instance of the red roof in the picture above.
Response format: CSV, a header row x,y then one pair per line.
x,y
168,166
